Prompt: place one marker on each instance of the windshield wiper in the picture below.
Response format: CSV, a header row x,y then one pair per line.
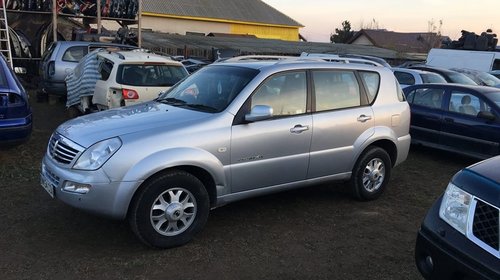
x,y
172,101
201,107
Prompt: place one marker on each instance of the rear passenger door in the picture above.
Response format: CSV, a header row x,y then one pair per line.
x,y
342,114
426,114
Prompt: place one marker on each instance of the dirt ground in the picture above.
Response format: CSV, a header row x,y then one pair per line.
x,y
312,233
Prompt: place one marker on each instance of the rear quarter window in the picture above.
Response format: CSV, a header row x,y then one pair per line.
x,y
105,67
372,84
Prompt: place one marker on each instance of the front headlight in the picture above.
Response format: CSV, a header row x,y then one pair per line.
x,y
455,207
95,156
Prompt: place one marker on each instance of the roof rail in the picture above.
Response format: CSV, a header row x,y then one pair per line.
x,y
337,58
256,58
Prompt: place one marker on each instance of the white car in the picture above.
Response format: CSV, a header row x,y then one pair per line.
x,y
407,77
129,77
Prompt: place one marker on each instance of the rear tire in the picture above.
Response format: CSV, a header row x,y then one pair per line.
x,y
169,210
371,174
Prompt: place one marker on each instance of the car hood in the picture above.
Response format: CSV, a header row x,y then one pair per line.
x,y
89,129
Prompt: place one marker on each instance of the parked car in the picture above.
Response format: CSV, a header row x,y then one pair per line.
x,y
449,75
193,65
407,77
480,77
110,79
459,238
61,58
458,118
231,131
16,120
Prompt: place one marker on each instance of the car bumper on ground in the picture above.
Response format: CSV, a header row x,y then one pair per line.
x,y
441,252
103,197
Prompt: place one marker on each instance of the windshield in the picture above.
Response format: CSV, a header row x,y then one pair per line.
x,y
211,89
488,79
460,78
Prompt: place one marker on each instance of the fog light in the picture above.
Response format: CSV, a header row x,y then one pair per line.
x,y
76,187
429,263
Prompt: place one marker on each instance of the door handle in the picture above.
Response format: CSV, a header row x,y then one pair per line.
x,y
299,129
364,118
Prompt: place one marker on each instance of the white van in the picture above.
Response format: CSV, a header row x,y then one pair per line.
x,y
478,60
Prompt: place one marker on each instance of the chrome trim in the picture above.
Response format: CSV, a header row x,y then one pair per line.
x,y
62,150
470,235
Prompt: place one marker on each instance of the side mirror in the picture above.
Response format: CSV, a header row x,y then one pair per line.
x,y
486,115
20,70
259,113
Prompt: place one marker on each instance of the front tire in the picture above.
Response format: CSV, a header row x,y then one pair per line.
x,y
371,174
169,210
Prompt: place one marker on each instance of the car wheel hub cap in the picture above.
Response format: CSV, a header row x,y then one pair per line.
x,y
373,175
173,211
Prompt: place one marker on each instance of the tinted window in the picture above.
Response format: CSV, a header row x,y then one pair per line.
x,y
285,93
335,90
150,75
209,89
496,64
404,78
372,82
429,78
105,67
427,97
74,54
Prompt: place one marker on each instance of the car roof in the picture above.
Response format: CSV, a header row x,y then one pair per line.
x,y
416,71
432,68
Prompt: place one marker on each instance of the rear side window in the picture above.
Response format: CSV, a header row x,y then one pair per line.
x,y
74,54
404,78
372,83
159,75
336,90
105,68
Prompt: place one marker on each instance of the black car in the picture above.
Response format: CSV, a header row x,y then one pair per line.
x,y
459,237
449,75
458,118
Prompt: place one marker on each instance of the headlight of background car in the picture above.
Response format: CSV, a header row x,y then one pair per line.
x,y
455,208
95,156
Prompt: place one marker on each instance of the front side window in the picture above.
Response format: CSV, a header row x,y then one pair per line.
x,y
427,97
156,75
372,83
74,54
336,90
466,103
285,93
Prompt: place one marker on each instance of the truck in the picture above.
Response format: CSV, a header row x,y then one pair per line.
x,y
451,58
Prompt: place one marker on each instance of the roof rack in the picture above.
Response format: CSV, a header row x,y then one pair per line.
x,y
303,57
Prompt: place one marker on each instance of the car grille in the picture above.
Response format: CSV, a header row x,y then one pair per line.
x,y
51,177
63,150
485,226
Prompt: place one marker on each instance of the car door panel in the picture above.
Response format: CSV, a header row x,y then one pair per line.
x,y
271,152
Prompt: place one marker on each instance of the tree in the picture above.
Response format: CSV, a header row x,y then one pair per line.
x,y
433,37
342,35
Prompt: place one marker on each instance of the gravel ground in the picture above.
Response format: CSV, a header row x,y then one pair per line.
x,y
317,232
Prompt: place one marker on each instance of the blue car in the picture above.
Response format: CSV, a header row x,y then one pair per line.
x,y
459,237
16,119
458,118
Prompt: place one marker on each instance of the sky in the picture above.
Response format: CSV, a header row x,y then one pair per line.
x,y
321,17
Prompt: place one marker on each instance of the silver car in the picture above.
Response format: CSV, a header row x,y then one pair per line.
x,y
233,130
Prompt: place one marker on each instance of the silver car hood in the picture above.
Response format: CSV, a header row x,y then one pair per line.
x,y
89,129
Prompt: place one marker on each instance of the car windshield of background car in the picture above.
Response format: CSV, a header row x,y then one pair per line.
x,y
460,78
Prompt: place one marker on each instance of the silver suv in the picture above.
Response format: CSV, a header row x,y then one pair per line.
x,y
233,130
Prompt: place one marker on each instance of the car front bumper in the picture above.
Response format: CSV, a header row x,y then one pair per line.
x,y
104,197
441,252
